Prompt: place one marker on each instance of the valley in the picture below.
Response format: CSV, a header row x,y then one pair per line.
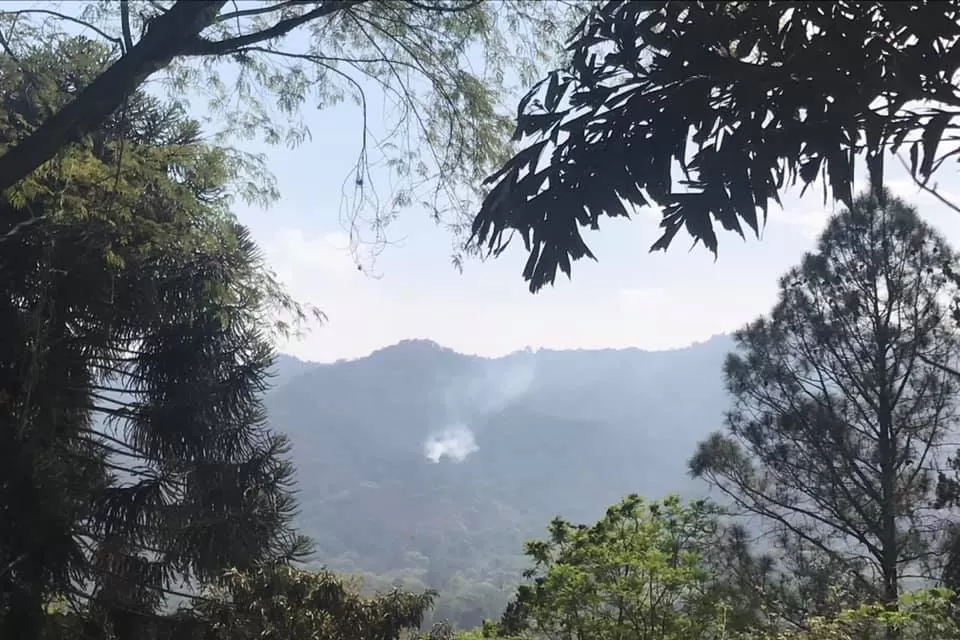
x,y
421,467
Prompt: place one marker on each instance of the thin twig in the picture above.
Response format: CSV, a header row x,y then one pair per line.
x,y
925,187
56,14
244,13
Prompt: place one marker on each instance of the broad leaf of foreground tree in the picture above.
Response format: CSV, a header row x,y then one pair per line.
x,y
709,110
261,63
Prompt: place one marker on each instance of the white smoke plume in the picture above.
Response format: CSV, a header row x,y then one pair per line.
x,y
499,383
455,443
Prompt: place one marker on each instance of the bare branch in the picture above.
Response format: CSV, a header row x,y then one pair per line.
x,y
56,14
922,184
939,365
202,47
246,13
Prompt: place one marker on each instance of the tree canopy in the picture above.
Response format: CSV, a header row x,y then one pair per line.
x,y
278,602
441,67
675,569
843,410
930,613
710,110
135,454
639,572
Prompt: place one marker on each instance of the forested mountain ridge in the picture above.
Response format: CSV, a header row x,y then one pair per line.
x,y
423,466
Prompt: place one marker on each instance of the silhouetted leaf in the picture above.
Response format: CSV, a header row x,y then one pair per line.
x,y
932,134
801,106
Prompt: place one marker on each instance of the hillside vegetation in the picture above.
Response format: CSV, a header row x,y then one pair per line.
x,y
526,437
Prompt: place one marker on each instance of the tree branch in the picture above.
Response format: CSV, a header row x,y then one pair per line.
x,y
462,6
60,16
939,365
246,13
922,184
198,46
164,39
125,25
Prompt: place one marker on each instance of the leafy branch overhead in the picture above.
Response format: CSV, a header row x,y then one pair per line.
x,y
709,111
259,64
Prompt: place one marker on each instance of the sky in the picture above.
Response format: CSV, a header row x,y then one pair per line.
x,y
628,298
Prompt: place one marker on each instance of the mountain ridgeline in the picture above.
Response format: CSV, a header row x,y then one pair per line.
x,y
424,467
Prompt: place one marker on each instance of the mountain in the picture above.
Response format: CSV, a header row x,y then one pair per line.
x,y
286,368
422,466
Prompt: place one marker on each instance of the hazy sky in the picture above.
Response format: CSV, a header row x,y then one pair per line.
x,y
629,298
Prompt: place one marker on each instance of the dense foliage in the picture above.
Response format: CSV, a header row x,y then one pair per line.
x,y
441,70
135,454
921,614
281,603
639,572
710,110
272,602
644,571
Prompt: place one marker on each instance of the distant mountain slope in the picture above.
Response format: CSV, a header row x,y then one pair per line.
x,y
287,368
430,466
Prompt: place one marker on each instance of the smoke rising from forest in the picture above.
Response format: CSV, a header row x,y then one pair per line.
x,y
498,384
455,443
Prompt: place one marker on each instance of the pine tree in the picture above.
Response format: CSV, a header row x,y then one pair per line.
x,y
841,408
134,453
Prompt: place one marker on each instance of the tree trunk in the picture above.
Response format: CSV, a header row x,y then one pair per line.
x,y
887,444
164,39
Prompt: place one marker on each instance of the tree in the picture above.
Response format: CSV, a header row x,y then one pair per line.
x,y
134,453
759,593
742,100
446,131
637,573
921,614
277,602
840,407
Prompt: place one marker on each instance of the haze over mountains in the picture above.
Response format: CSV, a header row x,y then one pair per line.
x,y
423,466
